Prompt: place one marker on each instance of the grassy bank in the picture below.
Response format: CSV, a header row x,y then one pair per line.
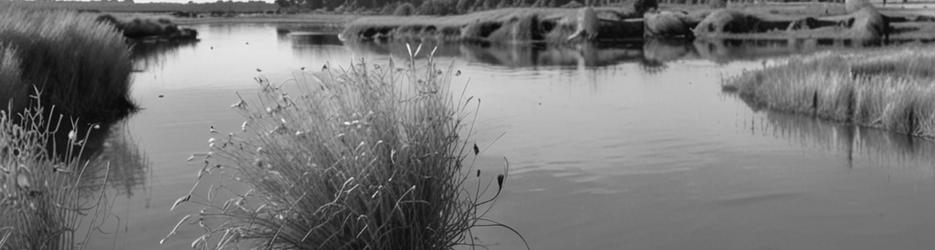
x,y
80,65
366,157
885,88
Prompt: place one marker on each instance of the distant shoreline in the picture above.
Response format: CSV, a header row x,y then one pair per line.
x,y
320,19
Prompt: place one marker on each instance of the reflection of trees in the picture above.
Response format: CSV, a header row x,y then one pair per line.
x,y
652,54
515,55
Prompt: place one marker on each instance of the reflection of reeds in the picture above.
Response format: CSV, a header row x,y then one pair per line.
x,y
147,55
119,149
81,66
888,88
40,192
885,149
367,157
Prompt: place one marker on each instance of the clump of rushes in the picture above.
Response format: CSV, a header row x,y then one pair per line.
x,y
82,66
367,157
885,88
41,202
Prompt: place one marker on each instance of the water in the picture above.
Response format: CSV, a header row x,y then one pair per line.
x,y
610,146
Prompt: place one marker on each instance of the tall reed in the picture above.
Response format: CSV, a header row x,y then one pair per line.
x,y
885,88
40,199
367,157
81,65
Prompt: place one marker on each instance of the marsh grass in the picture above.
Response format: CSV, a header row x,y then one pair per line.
x,y
885,88
82,66
40,192
365,157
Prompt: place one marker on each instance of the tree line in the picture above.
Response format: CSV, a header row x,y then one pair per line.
x,y
453,4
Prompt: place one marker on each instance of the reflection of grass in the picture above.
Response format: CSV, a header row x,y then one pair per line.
x,y
81,66
119,149
368,157
40,199
153,55
888,88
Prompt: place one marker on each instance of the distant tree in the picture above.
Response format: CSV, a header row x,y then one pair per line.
x,y
405,9
464,6
642,6
438,7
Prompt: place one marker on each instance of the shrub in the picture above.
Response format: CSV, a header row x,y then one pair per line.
x,y
405,9
81,66
464,6
368,157
438,7
642,6
717,4
573,5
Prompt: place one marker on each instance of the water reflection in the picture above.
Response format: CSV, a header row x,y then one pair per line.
x,y
877,147
129,165
148,55
652,55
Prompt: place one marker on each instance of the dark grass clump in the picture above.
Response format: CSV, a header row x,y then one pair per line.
x,y
149,29
367,157
81,66
886,88
43,202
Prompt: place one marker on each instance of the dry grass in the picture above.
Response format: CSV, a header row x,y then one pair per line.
x,y
40,192
885,88
367,157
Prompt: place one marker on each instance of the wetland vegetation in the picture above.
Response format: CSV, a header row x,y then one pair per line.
x,y
368,156
384,154
885,88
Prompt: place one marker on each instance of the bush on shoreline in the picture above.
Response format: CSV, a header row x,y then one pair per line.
x,y
367,157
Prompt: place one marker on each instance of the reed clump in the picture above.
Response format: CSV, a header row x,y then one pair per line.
x,y
886,88
82,66
41,199
365,157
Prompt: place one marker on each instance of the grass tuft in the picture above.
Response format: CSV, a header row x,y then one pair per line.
x,y
366,157
42,196
885,88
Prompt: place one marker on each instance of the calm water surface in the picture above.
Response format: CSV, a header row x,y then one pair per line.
x,y
611,147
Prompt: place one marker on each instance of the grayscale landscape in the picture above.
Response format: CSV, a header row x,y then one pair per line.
x,y
467,124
